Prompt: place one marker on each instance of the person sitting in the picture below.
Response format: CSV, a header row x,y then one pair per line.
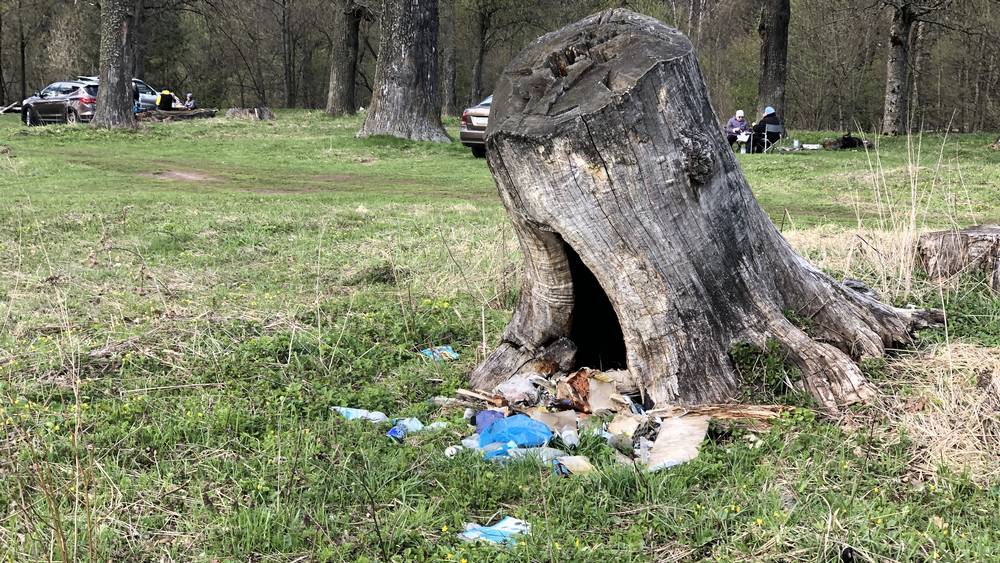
x,y
189,102
761,137
736,126
165,100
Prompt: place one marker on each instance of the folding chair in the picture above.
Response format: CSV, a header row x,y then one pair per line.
x,y
770,130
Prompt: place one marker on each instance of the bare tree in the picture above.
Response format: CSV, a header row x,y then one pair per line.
x,y
114,98
905,13
773,31
449,100
344,57
405,93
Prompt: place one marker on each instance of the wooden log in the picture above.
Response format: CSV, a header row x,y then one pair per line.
x,y
254,114
642,241
157,115
945,254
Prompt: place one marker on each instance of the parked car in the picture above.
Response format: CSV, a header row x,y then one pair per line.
x,y
61,102
473,129
147,94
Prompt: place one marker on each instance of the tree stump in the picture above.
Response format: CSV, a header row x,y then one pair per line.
x,y
157,115
644,247
253,114
948,253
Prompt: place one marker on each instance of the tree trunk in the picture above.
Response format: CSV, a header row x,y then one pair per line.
x,y
137,56
114,98
482,27
3,81
918,39
773,31
288,54
343,59
644,247
22,44
897,66
405,100
945,254
449,99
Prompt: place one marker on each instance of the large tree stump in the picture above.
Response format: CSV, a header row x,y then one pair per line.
x,y
643,244
252,114
948,253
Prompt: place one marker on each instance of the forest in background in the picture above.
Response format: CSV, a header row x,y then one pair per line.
x,y
278,52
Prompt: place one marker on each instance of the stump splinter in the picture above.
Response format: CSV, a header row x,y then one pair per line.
x,y
644,247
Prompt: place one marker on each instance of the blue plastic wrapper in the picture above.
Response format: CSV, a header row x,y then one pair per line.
x,y
397,433
440,353
485,418
520,430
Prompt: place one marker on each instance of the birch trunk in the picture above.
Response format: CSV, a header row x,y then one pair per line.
x,y
114,98
644,247
405,100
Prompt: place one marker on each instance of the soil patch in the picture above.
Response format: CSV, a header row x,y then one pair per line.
x,y
181,176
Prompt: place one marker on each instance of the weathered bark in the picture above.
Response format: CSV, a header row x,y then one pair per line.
x,y
773,31
22,46
177,115
253,114
449,99
642,241
405,100
483,17
114,98
897,67
340,98
949,253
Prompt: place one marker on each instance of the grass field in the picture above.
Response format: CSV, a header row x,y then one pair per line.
x,y
181,306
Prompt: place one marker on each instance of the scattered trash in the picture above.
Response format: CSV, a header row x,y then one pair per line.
x,y
677,442
397,433
544,454
554,420
452,451
573,391
570,437
603,393
435,426
572,465
445,402
485,418
440,353
503,532
356,414
410,424
514,431
624,424
471,442
519,390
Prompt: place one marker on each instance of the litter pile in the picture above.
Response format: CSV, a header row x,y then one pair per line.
x,y
523,416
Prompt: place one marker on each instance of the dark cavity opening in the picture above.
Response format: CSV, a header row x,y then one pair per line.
x,y
596,330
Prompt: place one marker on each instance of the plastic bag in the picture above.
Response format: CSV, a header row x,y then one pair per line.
x,y
520,429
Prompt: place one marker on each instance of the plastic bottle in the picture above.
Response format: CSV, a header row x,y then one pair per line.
x,y
570,437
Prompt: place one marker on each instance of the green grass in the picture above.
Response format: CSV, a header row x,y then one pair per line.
x,y
181,306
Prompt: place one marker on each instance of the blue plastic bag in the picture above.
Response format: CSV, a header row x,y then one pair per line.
x,y
520,429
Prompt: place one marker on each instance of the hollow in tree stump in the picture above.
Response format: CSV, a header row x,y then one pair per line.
x,y
945,254
644,247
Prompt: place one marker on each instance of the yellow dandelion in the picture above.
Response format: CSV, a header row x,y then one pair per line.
x,y
759,521
444,528
876,490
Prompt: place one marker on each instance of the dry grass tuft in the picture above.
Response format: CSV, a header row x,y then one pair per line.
x,y
948,400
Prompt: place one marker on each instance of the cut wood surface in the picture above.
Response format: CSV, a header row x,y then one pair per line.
x,y
945,254
175,115
644,247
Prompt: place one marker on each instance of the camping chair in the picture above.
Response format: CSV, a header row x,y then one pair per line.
x,y
770,130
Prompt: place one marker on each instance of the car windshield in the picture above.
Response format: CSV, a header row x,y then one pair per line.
x,y
487,101
91,89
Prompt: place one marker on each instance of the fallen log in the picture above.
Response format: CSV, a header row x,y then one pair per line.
x,y
945,254
253,114
158,115
642,241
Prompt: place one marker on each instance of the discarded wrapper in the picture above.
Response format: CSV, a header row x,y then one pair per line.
x,y
440,353
360,414
503,532
677,442
572,465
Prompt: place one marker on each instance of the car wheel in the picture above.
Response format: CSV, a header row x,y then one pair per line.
x,y
71,117
479,151
31,117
